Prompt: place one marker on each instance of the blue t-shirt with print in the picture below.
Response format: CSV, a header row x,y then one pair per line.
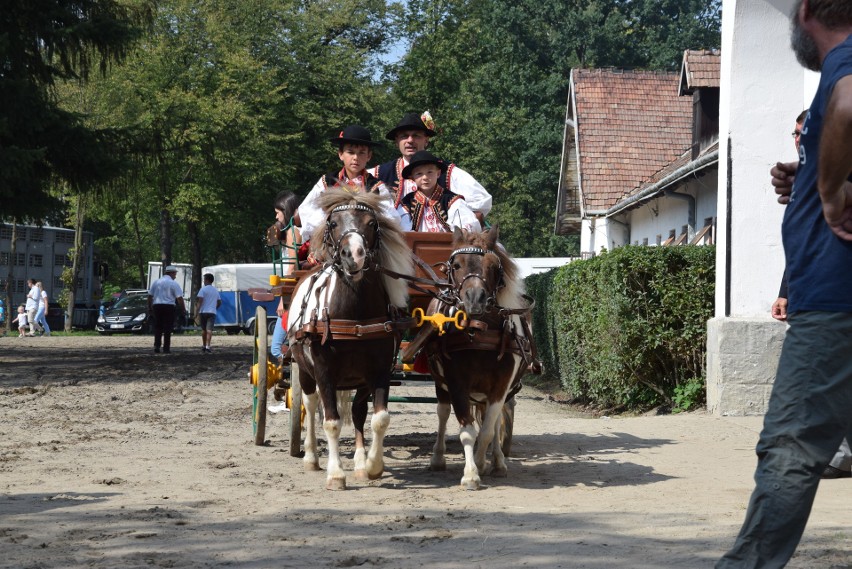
x,y
819,264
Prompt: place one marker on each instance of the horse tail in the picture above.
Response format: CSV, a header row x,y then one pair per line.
x,y
344,406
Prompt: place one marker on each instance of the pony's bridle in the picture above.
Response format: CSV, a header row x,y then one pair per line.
x,y
457,286
335,246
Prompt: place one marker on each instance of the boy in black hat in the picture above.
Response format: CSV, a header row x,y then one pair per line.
x,y
431,207
355,150
412,135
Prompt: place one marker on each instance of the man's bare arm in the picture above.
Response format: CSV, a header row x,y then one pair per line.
x,y
835,161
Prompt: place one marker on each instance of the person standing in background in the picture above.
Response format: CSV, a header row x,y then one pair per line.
x,y
208,302
164,293
41,311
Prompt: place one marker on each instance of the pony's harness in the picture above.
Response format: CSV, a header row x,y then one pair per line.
x,y
497,332
323,325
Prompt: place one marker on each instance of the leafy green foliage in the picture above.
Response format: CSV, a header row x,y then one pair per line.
x,y
628,328
42,42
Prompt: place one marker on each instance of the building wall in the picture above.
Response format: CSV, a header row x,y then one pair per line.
x,y
42,254
657,218
763,89
758,107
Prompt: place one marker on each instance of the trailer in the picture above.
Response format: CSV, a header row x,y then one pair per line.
x,y
234,283
183,276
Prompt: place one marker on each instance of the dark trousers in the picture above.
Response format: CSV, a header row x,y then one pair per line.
x,y
808,416
164,323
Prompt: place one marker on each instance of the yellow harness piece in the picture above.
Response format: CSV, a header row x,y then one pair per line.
x,y
438,320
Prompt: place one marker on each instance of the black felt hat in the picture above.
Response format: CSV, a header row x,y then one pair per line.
x,y
411,121
354,134
419,159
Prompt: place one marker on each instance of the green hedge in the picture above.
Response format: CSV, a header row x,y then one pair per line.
x,y
628,327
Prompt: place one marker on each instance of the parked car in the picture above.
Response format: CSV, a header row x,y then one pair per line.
x,y
130,314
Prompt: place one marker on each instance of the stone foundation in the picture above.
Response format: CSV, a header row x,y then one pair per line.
x,y
742,356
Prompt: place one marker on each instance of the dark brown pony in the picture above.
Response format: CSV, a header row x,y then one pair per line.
x,y
342,326
485,360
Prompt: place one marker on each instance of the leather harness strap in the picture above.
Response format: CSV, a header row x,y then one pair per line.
x,y
340,329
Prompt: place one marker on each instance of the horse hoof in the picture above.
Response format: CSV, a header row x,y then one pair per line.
x,y
312,467
335,484
375,475
438,466
500,472
361,475
470,484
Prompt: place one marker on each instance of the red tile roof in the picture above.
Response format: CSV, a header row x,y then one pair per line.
x,y
701,68
632,124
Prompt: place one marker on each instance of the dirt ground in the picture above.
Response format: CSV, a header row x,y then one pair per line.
x,y
112,456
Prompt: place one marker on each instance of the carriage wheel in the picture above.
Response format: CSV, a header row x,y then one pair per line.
x,y
261,355
294,399
507,422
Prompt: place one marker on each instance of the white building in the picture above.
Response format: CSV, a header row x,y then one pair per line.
x,y
763,89
640,156
42,254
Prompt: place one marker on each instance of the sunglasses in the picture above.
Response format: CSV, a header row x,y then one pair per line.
x,y
796,133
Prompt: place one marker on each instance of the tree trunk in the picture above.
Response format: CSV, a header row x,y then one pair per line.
x,y
11,312
195,244
165,237
76,261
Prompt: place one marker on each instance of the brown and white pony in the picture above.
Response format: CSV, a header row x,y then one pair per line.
x,y
483,362
341,326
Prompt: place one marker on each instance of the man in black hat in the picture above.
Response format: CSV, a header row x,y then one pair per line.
x,y
355,150
412,135
431,207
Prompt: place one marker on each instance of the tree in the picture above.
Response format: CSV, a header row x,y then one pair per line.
x,y
228,104
42,42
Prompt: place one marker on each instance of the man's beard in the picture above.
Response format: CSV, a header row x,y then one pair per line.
x,y
804,46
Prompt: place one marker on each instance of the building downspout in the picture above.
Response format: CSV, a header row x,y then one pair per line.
x,y
624,225
690,216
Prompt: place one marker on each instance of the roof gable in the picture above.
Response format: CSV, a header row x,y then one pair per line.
x,y
701,68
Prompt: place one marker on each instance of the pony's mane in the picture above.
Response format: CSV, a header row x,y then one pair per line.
x,y
393,253
511,295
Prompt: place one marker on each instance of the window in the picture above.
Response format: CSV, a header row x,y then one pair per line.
x,y
6,232
61,261
20,260
20,286
36,234
57,283
65,237
36,260
4,258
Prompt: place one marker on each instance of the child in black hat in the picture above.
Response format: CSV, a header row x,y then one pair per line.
x,y
431,207
355,150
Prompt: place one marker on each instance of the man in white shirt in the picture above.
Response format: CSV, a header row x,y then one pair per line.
x,y
208,302
164,293
412,135
33,297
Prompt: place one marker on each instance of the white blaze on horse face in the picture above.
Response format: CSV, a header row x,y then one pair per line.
x,y
353,254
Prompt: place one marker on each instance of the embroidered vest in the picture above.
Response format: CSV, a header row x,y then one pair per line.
x,y
391,173
416,203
